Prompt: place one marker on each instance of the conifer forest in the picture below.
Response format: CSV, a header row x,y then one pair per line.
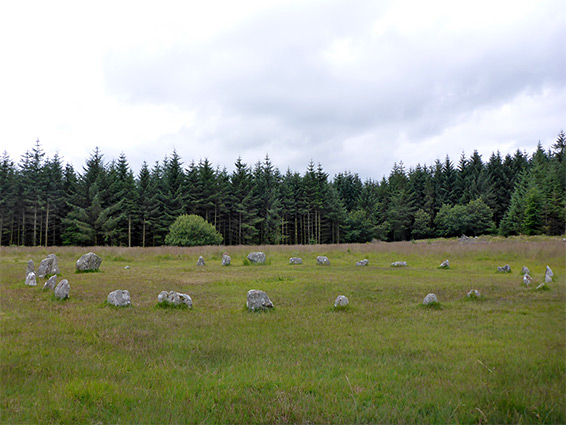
x,y
44,202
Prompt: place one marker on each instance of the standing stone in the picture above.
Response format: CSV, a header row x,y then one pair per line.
x,y
89,262
399,264
258,300
445,265
30,268
226,260
474,293
295,260
505,269
527,279
322,260
548,275
62,290
119,298
51,283
525,270
200,261
341,301
363,262
48,266
256,257
30,279
174,298
429,299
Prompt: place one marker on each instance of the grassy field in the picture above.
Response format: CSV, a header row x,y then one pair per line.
x,y
384,359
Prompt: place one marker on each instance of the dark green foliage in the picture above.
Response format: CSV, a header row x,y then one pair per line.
x,y
192,230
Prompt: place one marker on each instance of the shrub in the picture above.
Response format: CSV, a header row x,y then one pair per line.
x,y
192,230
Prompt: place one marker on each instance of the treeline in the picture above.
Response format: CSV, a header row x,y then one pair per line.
x,y
45,202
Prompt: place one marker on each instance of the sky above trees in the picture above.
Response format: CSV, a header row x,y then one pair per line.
x,y
353,85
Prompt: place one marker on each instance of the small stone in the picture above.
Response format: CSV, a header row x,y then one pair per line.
x,y
200,261
445,265
89,262
322,260
256,257
527,279
48,266
51,283
258,300
363,262
399,264
474,293
174,298
119,298
505,269
525,270
62,290
295,260
541,286
30,268
341,301
226,260
127,268
429,299
31,280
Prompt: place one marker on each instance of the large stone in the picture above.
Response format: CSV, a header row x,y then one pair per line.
x,y
525,270
527,279
341,301
474,293
505,269
548,275
322,260
445,265
295,260
48,266
89,262
363,262
31,280
174,298
62,290
51,283
258,300
200,261
226,260
119,298
256,257
30,268
429,299
399,264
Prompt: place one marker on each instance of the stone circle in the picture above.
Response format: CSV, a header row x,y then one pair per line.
x,y
445,265
226,260
119,298
505,269
399,264
258,300
474,293
341,301
256,257
322,260
48,266
62,290
430,299
295,260
174,298
31,280
51,283
363,262
88,262
200,261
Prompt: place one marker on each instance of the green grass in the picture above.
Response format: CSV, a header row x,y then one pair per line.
x,y
383,359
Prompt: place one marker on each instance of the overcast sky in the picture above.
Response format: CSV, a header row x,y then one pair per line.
x,y
354,85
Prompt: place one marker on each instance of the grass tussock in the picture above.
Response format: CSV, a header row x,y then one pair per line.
x,y
382,359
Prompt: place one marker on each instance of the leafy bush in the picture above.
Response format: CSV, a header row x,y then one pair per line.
x,y
192,230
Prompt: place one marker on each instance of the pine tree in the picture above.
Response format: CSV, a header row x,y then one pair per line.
x,y
8,199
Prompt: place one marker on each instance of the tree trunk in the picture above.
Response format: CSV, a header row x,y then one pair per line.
x,y
129,231
46,223
143,234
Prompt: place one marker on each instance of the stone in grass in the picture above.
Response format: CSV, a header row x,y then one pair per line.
x,y
174,298
341,301
295,260
430,299
542,287
256,257
322,260
399,264
505,269
127,268
548,275
89,262
258,300
445,265
473,294
62,290
30,268
363,262
525,270
31,280
527,279
48,266
200,261
119,298
226,260
51,283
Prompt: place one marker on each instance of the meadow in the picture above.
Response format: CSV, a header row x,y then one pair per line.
x,y
383,359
